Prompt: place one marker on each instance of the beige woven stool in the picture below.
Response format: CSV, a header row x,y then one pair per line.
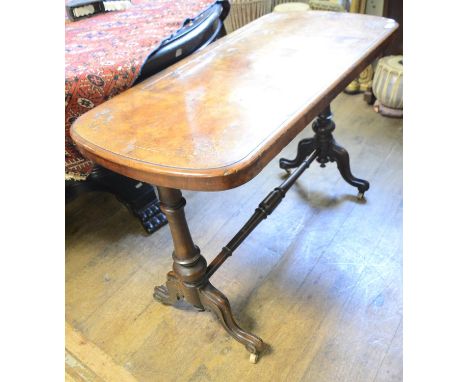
x,y
292,7
244,11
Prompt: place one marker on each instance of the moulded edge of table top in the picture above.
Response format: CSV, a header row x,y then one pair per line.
x,y
239,172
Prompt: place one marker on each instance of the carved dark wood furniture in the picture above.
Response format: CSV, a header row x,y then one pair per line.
x,y
214,120
140,197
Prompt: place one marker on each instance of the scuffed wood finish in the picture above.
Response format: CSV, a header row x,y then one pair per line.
x,y
214,120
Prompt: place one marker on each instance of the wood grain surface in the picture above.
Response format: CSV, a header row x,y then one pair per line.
x,y
215,119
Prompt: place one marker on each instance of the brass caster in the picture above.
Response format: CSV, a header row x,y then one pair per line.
x,y
360,196
253,358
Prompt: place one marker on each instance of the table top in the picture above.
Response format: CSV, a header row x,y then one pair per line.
x,y
215,119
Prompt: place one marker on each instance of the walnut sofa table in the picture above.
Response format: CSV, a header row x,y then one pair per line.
x,y
214,120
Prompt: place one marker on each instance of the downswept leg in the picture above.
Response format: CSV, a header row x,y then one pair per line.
x,y
305,147
327,150
189,280
216,302
330,151
341,156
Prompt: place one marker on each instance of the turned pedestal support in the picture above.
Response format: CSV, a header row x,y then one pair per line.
x,y
327,150
188,279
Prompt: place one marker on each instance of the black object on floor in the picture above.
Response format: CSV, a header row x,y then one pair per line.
x,y
140,198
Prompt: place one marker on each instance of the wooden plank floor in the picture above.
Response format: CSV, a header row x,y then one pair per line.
x,y
320,280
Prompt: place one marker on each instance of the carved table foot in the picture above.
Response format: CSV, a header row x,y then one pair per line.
x,y
214,301
170,293
341,156
217,303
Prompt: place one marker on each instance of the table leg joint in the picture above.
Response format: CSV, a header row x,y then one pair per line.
x,y
327,150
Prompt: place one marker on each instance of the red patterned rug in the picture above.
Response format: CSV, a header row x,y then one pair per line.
x,y
104,55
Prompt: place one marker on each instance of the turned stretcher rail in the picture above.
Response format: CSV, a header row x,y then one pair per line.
x,y
264,209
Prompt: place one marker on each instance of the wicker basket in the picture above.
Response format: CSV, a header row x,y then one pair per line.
x,y
244,11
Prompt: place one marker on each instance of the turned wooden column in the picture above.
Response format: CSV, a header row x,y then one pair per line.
x,y
189,278
189,265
